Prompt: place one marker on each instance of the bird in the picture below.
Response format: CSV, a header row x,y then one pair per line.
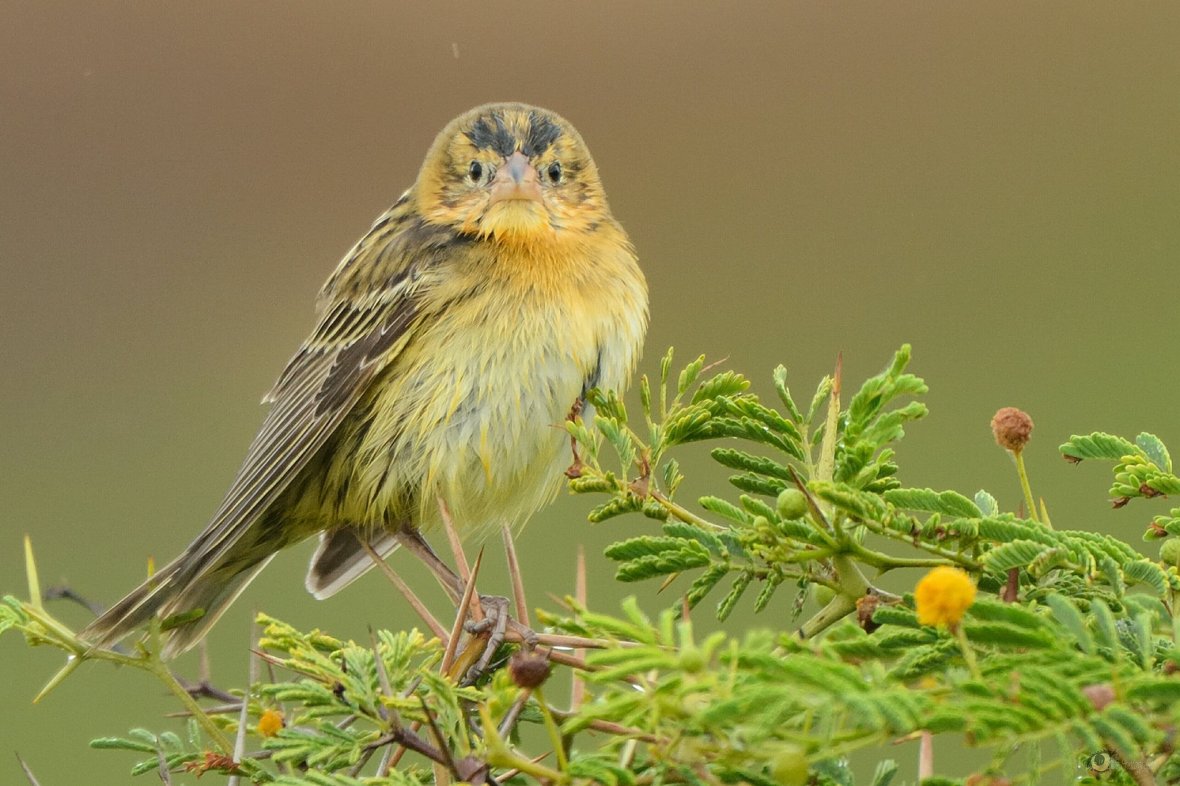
x,y
450,345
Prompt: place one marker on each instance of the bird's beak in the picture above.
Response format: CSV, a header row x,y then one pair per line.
x,y
516,180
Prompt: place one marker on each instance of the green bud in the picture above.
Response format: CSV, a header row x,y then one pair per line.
x,y
1170,552
822,593
692,661
792,504
789,766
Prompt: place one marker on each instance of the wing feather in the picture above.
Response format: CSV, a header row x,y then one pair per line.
x,y
360,332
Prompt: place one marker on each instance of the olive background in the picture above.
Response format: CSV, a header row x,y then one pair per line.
x,y
994,182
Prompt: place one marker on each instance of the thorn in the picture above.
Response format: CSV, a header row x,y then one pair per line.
x,y
28,772
578,685
456,543
465,607
522,609
31,573
667,582
417,605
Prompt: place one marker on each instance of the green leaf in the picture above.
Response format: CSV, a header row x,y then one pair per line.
x,y
1016,554
739,459
784,393
1068,615
684,531
1147,572
726,509
689,375
687,555
1154,449
705,583
885,773
986,503
1097,446
950,503
1104,626
1005,635
727,383
725,607
119,743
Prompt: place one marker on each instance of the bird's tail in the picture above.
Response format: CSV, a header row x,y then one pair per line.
x,y
187,603
341,559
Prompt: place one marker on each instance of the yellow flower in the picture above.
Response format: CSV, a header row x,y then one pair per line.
x,y
943,596
270,723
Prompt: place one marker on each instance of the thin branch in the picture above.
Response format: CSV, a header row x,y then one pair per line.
x,y
460,618
417,605
1136,768
252,677
28,772
522,607
455,541
577,684
64,592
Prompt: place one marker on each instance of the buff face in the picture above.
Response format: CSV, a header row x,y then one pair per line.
x,y
518,175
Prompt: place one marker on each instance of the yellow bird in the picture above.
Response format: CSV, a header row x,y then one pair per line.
x,y
452,341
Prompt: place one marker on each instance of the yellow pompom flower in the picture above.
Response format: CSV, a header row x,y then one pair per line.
x,y
943,596
270,723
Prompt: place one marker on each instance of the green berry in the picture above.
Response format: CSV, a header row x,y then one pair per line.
x,y
792,504
789,766
1170,552
822,593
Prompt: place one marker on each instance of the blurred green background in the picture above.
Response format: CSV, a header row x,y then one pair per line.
x,y
997,183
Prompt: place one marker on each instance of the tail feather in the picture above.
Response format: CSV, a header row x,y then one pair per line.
x,y
170,595
341,559
134,610
213,596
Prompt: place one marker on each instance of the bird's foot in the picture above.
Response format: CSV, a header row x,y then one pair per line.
x,y
575,469
496,623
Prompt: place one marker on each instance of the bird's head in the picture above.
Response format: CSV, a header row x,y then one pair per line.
x,y
512,172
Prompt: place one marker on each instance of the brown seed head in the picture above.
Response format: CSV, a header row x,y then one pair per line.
x,y
528,669
1099,694
1012,428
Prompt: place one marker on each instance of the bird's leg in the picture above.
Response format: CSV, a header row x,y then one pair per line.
x,y
497,620
413,542
575,469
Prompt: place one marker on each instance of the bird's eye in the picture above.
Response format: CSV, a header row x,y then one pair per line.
x,y
554,172
475,171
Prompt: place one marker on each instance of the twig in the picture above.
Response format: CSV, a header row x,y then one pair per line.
x,y
206,690
460,618
1136,768
28,773
252,675
417,605
577,685
456,543
925,756
162,768
508,775
63,592
522,608
445,757
552,729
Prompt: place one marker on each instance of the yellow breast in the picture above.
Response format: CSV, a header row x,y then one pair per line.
x,y
472,411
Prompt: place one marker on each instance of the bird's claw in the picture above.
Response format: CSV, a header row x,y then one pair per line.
x,y
496,623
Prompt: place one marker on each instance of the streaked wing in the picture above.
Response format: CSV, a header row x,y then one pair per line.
x,y
367,311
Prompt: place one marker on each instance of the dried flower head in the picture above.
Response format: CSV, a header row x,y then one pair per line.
x,y
1012,428
528,669
1099,694
943,596
270,723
